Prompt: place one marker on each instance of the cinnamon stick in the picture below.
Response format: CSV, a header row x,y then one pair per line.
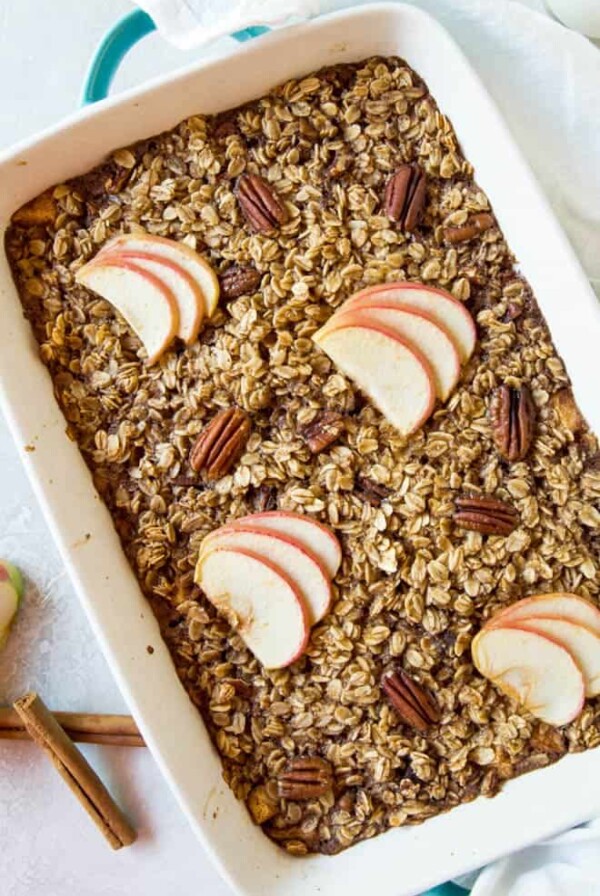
x,y
87,728
75,770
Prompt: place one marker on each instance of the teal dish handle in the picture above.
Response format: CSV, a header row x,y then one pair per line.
x,y
117,42
111,51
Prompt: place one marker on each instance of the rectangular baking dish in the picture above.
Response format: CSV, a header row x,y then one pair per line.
x,y
404,861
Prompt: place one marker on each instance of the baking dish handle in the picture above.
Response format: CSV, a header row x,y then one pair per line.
x,y
115,45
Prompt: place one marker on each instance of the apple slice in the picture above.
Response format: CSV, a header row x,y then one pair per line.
x,y
10,573
554,605
533,669
259,601
394,374
299,565
581,642
190,297
439,304
318,539
196,266
9,604
146,303
417,328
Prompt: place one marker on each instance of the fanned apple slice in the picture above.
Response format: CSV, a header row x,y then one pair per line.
x,y
532,669
394,374
581,642
176,251
299,564
317,538
186,290
418,329
144,300
260,602
439,304
555,605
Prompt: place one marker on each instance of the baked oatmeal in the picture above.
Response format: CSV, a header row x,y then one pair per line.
x,y
439,530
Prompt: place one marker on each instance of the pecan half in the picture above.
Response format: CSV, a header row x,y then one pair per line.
x,y
512,417
261,206
487,515
305,778
567,410
237,281
474,226
372,492
220,443
404,198
323,431
41,210
414,704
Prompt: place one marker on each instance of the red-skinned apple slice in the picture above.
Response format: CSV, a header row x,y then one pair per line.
x,y
198,268
317,538
532,669
395,376
439,304
581,642
260,602
417,328
299,564
559,605
144,300
186,290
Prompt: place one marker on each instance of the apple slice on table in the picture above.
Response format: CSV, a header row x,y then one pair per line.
x,y
144,300
394,374
532,669
298,564
188,294
439,304
419,330
581,642
555,605
11,592
9,604
10,573
317,538
173,250
262,604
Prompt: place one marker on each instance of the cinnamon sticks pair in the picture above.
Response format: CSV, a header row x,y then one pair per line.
x,y
82,727
42,726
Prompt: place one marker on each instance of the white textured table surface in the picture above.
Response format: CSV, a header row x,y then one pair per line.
x,y
48,846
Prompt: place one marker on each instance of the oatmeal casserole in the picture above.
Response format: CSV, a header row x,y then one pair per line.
x,y
384,721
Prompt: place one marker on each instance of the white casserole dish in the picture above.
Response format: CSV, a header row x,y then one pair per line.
x,y
407,860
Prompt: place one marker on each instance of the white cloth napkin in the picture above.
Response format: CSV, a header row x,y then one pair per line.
x,y
546,81
567,865
191,23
